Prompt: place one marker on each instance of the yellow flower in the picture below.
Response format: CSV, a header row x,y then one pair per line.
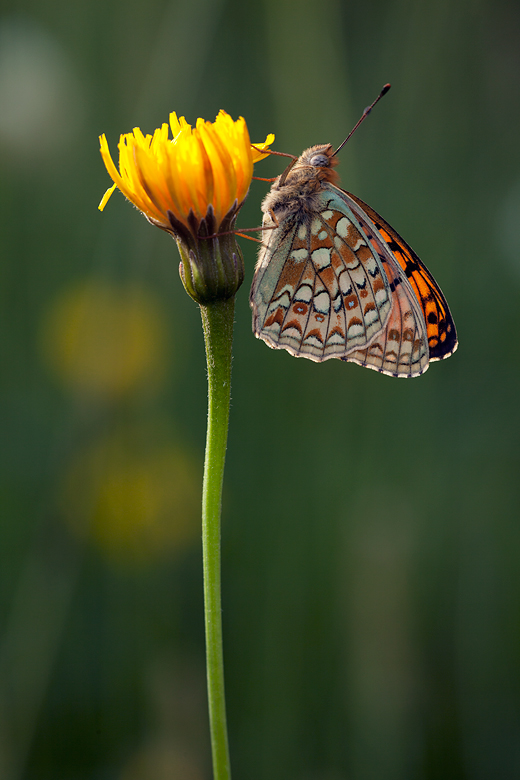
x,y
206,168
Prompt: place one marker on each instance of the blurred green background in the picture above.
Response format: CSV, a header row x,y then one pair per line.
x,y
371,529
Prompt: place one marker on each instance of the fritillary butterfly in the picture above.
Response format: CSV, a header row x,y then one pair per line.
x,y
334,280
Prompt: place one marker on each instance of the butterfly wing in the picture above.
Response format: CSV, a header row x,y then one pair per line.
x,y
320,289
441,332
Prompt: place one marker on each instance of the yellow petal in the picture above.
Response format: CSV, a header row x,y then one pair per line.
x,y
106,197
257,156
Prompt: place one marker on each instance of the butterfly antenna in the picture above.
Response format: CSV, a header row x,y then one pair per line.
x,y
364,115
278,154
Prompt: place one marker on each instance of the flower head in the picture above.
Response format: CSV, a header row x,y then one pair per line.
x,y
209,165
192,186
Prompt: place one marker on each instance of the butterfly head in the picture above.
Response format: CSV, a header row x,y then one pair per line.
x,y
315,164
320,156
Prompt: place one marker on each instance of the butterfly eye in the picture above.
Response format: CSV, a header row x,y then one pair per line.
x,y
320,161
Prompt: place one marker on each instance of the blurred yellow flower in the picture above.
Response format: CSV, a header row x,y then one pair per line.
x,y
136,500
105,340
206,168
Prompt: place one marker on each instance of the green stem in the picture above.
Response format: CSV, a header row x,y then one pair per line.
x,y
217,321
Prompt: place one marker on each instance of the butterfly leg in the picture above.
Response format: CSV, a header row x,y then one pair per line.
x,y
241,232
274,218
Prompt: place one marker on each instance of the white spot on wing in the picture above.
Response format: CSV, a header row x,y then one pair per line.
x,y
321,302
370,316
291,333
316,226
337,303
336,338
358,275
354,330
321,257
381,295
283,301
343,227
371,265
345,284
311,339
303,293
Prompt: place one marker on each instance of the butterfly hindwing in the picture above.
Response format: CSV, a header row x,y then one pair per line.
x,y
320,289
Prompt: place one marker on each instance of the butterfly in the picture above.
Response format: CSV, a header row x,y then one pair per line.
x,y
334,280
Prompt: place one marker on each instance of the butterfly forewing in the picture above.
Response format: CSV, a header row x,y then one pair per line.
x,y
442,335
320,289
401,349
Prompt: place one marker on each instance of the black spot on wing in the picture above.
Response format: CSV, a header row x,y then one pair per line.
x,y
410,266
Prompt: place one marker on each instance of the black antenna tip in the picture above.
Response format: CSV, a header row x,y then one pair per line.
x,y
365,113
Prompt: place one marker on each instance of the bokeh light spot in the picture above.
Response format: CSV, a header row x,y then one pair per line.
x,y
135,503
105,340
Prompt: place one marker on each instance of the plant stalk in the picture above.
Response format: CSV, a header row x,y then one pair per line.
x,y
217,322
